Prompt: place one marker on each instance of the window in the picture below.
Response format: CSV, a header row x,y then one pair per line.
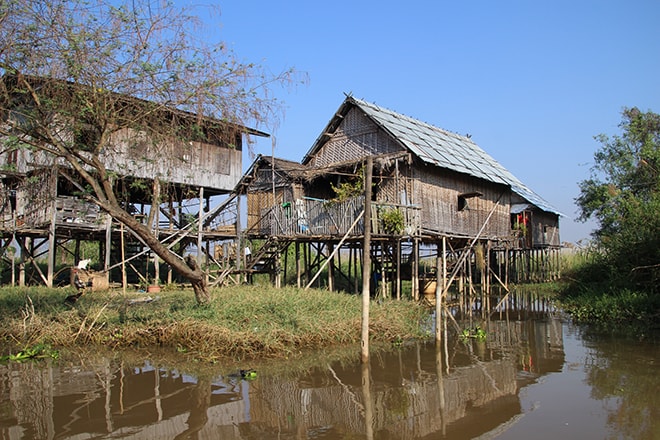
x,y
463,200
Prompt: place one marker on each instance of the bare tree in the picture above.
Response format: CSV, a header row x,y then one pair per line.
x,y
84,80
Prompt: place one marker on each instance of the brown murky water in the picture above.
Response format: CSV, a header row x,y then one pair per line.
x,y
533,377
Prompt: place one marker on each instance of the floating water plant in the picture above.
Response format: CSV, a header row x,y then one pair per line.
x,y
473,333
39,351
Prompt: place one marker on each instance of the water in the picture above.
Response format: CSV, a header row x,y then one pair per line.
x,y
534,376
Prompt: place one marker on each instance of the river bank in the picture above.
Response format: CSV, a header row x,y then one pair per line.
x,y
240,323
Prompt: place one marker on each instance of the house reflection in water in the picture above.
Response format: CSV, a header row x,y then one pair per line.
x,y
477,393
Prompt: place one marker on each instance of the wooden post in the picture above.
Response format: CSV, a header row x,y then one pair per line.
x,y
108,247
278,269
439,288
398,268
298,266
24,242
124,280
239,239
366,260
331,272
355,251
200,225
415,269
305,259
52,239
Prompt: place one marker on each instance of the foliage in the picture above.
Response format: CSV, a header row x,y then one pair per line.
x,y
613,310
349,188
39,351
590,296
393,221
522,227
623,195
473,333
78,76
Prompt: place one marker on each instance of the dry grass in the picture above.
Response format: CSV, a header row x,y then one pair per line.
x,y
242,322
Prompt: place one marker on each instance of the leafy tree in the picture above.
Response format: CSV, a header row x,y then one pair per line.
x,y
623,195
133,68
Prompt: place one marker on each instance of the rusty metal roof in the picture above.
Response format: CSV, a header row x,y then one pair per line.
x,y
442,148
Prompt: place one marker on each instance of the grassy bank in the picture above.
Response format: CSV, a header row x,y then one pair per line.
x,y
242,322
592,295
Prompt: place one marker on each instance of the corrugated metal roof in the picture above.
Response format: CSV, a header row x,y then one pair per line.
x,y
448,150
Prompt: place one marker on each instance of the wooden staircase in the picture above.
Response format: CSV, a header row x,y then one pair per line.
x,y
266,257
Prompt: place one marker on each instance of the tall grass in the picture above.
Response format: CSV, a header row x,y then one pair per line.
x,y
241,322
592,294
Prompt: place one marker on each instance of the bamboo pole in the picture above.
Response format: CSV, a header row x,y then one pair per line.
x,y
467,250
366,261
331,274
200,220
415,270
123,258
298,267
398,268
441,268
334,251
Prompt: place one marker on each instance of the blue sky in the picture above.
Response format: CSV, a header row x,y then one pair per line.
x,y
532,81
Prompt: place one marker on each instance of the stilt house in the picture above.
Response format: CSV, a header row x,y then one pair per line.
x,y
440,185
189,159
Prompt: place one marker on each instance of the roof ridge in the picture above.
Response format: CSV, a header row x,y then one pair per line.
x,y
412,119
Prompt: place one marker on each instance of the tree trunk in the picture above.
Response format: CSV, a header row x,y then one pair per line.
x,y
188,268
202,294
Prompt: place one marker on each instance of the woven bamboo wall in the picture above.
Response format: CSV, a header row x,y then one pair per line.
x,y
393,188
438,190
260,195
356,137
34,201
545,229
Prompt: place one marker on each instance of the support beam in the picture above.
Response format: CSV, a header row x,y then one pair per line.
x,y
336,249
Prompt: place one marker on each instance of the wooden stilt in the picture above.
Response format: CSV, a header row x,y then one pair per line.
x,y
331,272
415,270
366,264
398,269
298,266
108,248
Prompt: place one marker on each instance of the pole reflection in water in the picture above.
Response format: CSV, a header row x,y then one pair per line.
x,y
441,389
461,388
368,403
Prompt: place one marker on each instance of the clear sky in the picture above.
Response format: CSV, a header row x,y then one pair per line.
x,y
531,81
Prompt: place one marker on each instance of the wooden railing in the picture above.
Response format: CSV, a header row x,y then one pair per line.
x,y
309,216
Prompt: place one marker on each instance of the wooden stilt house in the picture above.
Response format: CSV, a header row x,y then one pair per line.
x,y
440,185
193,162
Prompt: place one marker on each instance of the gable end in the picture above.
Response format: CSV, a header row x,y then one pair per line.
x,y
356,136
